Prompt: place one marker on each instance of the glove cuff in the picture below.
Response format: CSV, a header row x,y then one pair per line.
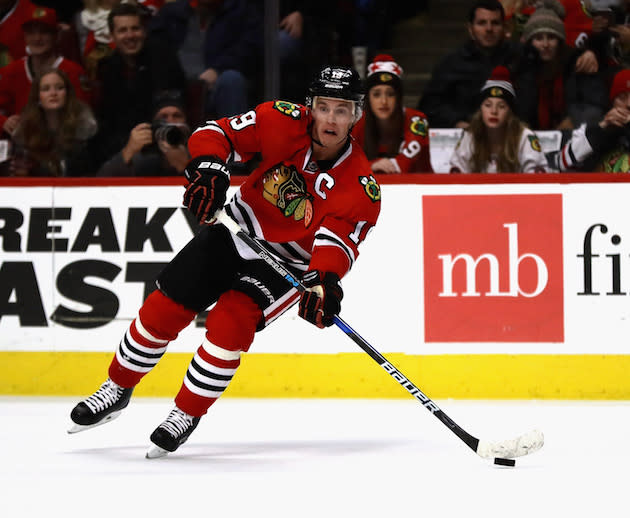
x,y
206,164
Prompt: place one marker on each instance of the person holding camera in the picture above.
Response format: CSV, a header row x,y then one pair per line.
x,y
157,148
603,146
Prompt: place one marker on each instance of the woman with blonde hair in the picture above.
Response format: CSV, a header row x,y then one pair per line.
x,y
54,130
497,141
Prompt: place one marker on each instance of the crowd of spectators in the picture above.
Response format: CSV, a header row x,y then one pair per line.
x,y
115,87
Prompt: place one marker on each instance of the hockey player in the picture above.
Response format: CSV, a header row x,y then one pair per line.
x,y
311,201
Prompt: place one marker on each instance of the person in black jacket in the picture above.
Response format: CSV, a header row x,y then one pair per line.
x,y
452,94
132,78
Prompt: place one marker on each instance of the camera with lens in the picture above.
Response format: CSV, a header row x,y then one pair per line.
x,y
174,134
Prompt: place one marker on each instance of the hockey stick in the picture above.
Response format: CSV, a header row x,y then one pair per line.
x,y
509,449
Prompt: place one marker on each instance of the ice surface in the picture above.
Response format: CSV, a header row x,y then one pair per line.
x,y
315,458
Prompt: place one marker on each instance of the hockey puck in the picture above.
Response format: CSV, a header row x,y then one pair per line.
x,y
504,462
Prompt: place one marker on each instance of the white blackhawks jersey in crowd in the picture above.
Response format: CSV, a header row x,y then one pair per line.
x,y
312,216
530,155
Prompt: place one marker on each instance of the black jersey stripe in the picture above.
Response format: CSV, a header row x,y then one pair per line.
x,y
201,385
148,356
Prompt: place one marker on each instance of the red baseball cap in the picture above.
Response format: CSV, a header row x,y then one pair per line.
x,y
43,16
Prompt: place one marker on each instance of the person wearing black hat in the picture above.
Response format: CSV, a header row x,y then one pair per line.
x,y
497,141
157,148
395,138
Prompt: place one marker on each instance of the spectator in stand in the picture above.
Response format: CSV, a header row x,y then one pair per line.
x,y
218,42
551,94
450,98
395,139
603,146
132,78
40,34
157,148
52,138
95,41
304,39
497,141
13,13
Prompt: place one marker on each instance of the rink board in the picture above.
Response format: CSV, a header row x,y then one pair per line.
x,y
480,286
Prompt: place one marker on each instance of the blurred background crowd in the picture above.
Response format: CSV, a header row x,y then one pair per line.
x,y
114,88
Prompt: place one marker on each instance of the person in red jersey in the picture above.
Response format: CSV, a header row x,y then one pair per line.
x,y
395,138
311,200
16,79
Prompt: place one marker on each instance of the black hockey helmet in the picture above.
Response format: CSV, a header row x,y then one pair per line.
x,y
338,83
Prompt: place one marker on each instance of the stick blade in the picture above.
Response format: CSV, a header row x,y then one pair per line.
x,y
510,449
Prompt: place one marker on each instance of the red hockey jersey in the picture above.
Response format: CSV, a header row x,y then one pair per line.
x,y
413,155
312,216
16,80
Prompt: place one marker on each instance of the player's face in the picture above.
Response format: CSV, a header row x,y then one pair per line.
x,y
39,39
52,92
486,28
494,112
332,120
382,101
546,44
128,34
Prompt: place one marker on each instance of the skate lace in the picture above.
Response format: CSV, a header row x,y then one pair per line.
x,y
177,422
104,397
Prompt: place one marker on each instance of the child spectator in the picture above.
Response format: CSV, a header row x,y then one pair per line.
x,y
40,33
54,130
497,141
395,139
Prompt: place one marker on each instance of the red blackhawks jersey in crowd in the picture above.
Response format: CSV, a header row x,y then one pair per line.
x,y
413,154
310,215
16,80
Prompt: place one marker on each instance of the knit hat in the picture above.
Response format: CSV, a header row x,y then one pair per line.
x,y
499,85
620,84
548,18
384,71
168,98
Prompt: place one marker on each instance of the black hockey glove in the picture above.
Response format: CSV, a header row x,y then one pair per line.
x,y
322,298
209,180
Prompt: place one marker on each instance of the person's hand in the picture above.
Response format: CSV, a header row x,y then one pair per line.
x,y
293,23
11,124
209,180
140,136
209,76
384,165
322,298
177,156
616,117
587,63
462,124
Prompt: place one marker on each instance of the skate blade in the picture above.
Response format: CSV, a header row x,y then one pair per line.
x,y
82,427
155,452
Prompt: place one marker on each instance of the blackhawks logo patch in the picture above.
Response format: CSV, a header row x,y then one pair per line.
x,y
534,142
285,188
616,161
287,108
418,126
371,187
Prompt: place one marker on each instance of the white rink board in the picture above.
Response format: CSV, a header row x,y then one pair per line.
x,y
384,293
